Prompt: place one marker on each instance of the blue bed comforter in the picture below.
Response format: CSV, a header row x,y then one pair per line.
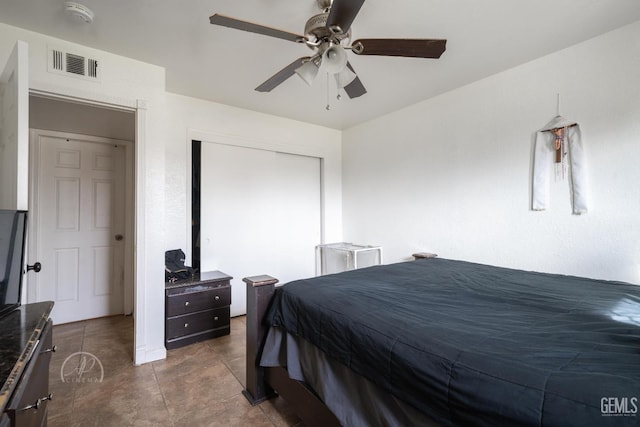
x,y
471,344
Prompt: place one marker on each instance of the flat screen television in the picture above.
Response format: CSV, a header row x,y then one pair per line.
x,y
13,225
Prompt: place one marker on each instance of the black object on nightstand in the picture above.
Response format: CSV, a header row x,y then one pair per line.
x,y
197,309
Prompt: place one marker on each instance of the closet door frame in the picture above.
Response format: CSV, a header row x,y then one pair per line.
x,y
330,176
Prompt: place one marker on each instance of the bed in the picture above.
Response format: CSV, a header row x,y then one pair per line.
x,y
445,342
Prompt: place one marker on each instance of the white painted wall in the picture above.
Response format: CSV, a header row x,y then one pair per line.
x,y
451,175
14,128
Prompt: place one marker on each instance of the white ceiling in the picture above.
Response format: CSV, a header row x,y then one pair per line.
x,y
225,65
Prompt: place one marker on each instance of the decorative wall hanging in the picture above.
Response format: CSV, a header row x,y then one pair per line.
x,y
557,141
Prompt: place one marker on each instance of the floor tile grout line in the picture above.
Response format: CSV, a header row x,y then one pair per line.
x,y
74,385
164,398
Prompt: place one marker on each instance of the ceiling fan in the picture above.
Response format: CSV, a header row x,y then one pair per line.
x,y
328,34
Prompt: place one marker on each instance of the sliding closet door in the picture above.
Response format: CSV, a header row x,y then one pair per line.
x,y
297,215
260,215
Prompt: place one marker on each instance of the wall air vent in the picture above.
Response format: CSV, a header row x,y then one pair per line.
x,y
73,64
92,68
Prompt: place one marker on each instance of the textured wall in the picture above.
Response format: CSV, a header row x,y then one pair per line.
x,y
452,174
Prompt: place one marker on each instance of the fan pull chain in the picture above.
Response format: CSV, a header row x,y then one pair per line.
x,y
338,96
328,107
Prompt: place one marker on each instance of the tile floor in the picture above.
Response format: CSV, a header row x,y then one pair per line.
x,y
197,385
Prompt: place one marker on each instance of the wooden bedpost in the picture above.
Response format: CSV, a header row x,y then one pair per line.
x,y
260,289
305,403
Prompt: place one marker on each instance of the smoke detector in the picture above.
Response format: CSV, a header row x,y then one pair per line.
x,y
78,12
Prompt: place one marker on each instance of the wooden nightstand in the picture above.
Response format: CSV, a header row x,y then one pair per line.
x,y
197,309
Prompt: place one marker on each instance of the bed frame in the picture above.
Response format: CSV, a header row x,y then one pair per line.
x,y
265,383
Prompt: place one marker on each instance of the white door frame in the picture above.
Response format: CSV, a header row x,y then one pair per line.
x,y
141,353
34,175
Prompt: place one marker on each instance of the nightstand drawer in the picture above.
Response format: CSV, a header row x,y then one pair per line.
x,y
197,322
197,301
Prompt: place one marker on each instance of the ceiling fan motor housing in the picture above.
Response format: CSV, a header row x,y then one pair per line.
x,y
316,27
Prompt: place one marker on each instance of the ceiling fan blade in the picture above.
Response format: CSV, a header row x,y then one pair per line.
x,y
238,24
415,48
282,75
342,14
355,88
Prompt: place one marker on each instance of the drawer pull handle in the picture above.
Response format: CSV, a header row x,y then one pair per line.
x,y
217,298
186,325
37,403
51,350
186,303
215,317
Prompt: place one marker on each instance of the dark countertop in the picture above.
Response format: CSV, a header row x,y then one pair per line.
x,y
19,333
204,277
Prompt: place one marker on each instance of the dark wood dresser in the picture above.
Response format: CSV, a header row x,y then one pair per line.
x,y
25,354
197,309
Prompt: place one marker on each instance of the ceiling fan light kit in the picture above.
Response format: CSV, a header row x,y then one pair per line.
x,y
325,34
308,71
344,77
334,59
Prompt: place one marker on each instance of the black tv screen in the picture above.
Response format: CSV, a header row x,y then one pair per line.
x,y
13,226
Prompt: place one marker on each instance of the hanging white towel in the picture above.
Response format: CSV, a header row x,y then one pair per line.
x,y
543,161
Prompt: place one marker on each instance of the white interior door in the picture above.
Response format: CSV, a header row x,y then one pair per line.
x,y
260,214
14,130
80,233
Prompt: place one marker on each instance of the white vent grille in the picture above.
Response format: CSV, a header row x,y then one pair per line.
x,y
57,60
92,70
73,64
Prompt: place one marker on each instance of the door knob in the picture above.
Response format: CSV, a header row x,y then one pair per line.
x,y
119,237
35,267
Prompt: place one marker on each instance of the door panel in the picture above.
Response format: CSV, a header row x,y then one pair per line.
x,y
298,215
66,267
260,214
67,194
102,268
236,202
80,210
